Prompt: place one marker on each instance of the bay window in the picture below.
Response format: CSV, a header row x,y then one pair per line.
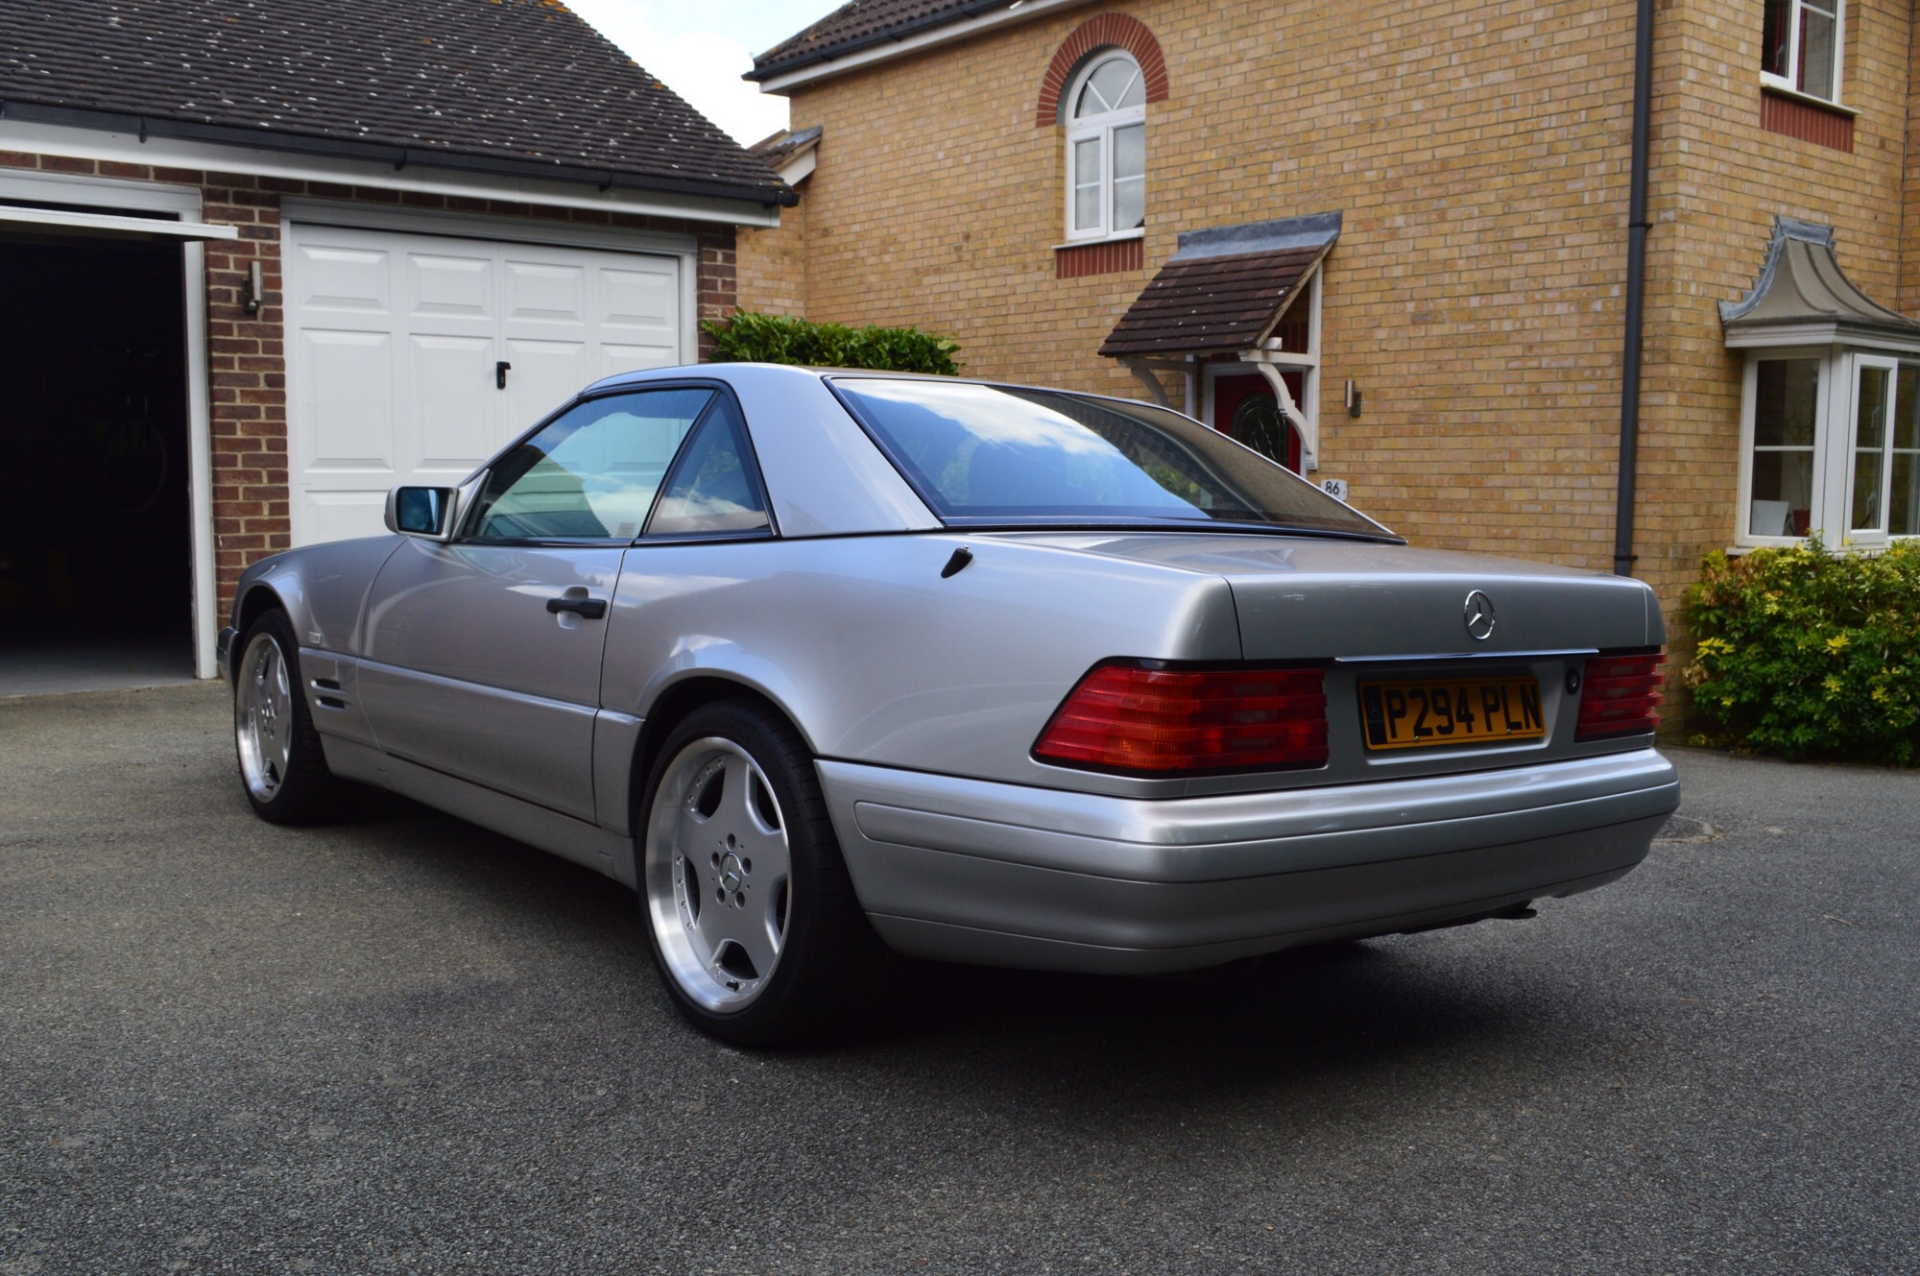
x,y
1831,446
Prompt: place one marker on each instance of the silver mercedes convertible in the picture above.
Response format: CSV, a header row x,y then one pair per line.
x,y
835,665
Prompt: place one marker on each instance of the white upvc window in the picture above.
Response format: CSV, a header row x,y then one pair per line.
x,y
1800,45
1830,445
1107,150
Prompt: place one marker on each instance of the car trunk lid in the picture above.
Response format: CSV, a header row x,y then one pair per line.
x,y
1392,625
1302,599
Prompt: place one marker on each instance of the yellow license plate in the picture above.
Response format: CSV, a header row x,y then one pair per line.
x,y
1418,715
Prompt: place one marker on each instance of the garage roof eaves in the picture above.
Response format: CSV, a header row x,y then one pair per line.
x,y
774,193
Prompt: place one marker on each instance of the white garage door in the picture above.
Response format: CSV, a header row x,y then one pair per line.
x,y
396,345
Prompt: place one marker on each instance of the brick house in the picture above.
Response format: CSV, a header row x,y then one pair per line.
x,y
260,263
1389,244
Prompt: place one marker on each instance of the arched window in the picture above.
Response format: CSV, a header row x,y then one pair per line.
x,y
1107,148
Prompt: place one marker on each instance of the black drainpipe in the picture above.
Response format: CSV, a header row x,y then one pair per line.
x,y
1637,227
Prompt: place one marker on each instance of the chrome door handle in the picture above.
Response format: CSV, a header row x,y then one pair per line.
x,y
590,608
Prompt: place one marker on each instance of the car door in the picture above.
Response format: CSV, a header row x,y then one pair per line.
x,y
482,655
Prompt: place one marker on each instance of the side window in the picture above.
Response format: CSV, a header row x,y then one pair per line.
x,y
1786,416
592,473
1885,486
1107,149
715,486
1800,46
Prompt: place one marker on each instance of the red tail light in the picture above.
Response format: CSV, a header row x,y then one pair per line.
x,y
1622,696
1170,720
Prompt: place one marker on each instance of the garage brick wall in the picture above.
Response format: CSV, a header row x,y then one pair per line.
x,y
246,354
1479,155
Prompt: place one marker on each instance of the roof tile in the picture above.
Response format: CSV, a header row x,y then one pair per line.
x,y
524,80
860,23
1224,288
1213,303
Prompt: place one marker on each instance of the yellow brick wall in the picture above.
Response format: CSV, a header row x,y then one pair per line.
x,y
770,264
1479,154
1909,300
1718,182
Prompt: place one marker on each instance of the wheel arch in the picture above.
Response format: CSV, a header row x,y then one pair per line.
x,y
668,710
256,601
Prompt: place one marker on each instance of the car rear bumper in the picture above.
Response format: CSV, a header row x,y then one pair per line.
x,y
999,874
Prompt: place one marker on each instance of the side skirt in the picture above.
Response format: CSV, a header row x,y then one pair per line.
x,y
570,839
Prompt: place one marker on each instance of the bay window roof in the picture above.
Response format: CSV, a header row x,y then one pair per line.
x,y
1802,297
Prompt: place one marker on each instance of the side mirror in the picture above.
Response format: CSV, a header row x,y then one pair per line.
x,y
421,511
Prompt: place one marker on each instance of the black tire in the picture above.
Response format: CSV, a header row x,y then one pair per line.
x,y
827,965
283,769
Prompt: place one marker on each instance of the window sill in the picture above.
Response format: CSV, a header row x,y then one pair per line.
x,y
1779,88
1878,545
1121,238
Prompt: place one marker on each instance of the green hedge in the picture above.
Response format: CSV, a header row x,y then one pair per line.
x,y
1809,654
756,338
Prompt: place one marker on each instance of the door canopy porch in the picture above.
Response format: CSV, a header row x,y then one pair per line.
x,y
1224,291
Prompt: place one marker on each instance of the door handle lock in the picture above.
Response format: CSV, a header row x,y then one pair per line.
x,y
589,608
500,374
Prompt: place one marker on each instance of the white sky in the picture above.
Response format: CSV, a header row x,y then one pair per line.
x,y
701,48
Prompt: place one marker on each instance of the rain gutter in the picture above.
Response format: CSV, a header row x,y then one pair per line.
x,y
1637,228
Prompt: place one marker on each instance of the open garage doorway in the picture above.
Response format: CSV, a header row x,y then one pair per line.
x,y
96,553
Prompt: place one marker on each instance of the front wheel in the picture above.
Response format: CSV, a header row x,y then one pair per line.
x,y
751,915
282,765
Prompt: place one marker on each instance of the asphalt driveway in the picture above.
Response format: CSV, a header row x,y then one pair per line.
x,y
403,1044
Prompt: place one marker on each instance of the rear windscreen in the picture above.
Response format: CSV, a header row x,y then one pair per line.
x,y
1002,455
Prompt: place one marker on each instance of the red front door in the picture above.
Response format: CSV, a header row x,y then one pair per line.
x,y
1244,409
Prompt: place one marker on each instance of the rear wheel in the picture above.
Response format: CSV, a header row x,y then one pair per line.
x,y
751,916
282,766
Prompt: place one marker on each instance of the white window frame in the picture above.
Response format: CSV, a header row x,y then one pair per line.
x,y
1790,82
1835,409
1891,366
1100,127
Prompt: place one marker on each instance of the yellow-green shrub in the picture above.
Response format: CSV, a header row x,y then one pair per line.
x,y
750,337
1806,653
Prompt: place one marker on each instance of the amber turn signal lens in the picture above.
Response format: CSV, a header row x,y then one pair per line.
x,y
1165,721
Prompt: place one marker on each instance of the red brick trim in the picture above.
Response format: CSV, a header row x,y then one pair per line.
x,y
1106,30
1796,117
718,286
1107,258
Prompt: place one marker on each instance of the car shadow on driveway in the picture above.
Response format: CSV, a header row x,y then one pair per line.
x,y
1296,1016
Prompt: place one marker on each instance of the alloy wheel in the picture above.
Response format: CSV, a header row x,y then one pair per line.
x,y
263,717
717,874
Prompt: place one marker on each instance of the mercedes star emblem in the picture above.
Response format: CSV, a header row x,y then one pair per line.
x,y
1480,615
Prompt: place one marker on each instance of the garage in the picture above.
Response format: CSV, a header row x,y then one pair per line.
x,y
95,534
97,525
411,358
297,271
